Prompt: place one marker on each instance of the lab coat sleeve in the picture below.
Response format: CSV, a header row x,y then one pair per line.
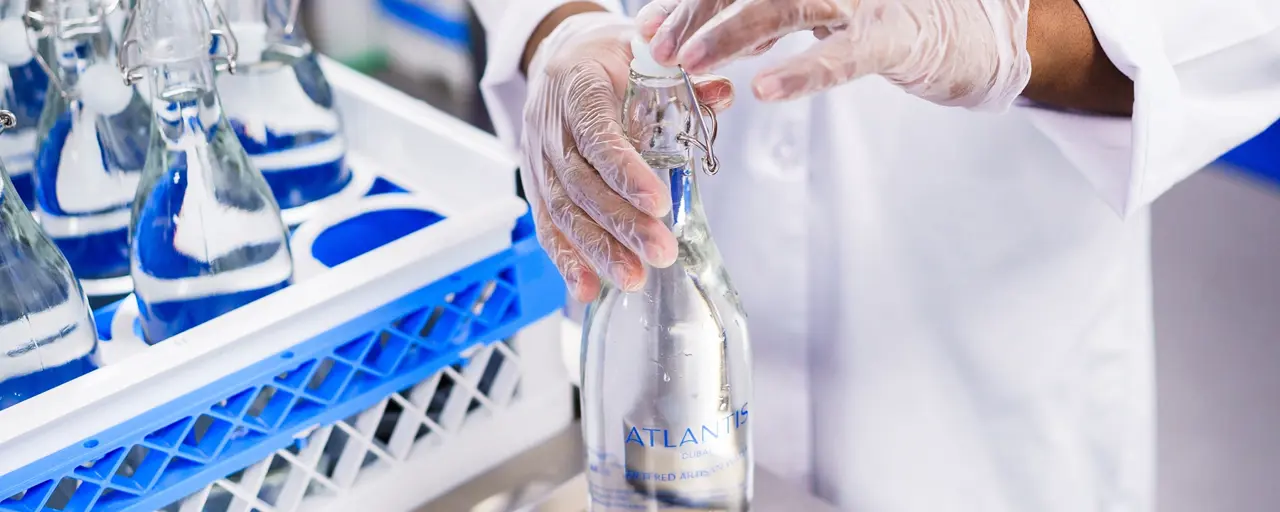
x,y
508,25
1206,78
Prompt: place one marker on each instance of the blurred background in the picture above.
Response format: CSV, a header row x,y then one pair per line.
x,y
1216,250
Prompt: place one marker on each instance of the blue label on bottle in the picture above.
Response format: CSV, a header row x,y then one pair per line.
x,y
689,436
706,465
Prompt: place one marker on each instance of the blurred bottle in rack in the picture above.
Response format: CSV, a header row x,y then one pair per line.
x,y
22,92
429,51
207,232
280,104
47,334
92,143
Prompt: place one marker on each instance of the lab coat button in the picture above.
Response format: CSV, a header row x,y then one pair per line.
x,y
787,158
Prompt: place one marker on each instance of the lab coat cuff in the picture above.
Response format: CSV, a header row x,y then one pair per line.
x,y
1171,134
503,86
1013,72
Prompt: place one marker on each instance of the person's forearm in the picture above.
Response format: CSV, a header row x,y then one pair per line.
x,y
549,23
1068,67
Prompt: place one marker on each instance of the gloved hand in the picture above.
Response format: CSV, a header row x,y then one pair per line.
x,y
597,204
967,53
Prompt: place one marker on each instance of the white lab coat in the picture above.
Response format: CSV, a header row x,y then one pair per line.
x,y
951,310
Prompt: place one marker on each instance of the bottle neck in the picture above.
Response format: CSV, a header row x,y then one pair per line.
x,y
79,42
657,113
16,222
185,101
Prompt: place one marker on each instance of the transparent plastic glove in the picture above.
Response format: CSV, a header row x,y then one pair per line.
x,y
597,205
967,53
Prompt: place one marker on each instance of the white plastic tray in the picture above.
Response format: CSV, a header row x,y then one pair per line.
x,y
461,170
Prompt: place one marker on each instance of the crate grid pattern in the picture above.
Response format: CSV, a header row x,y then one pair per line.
x,y
331,459
424,348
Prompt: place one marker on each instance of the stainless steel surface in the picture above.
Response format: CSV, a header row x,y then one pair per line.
x,y
550,479
1217,291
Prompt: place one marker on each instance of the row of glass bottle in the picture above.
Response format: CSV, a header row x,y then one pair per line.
x,y
157,183
80,149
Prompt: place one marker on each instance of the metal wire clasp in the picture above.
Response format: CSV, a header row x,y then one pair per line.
x,y
7,120
221,29
292,22
37,22
708,142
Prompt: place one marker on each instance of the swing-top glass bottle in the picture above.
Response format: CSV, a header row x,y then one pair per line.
x,y
666,371
47,333
91,146
207,236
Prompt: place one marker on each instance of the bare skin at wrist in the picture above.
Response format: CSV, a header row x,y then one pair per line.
x,y
1068,66
549,24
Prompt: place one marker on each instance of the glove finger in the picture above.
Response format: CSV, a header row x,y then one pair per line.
x,y
743,26
714,91
591,109
652,15
838,59
680,24
639,232
578,275
608,256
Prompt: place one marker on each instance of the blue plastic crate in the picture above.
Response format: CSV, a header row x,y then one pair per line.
x,y
1259,157
160,457
453,31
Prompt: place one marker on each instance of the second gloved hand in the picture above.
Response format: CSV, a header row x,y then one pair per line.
x,y
596,203
967,53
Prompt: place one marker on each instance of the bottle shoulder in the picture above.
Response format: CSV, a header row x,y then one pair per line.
x,y
30,262
681,294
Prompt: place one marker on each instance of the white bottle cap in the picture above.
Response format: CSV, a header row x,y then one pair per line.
x,y
103,90
643,63
14,49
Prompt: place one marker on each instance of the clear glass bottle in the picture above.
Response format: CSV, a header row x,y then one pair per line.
x,y
91,147
281,105
207,234
22,91
666,371
47,334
